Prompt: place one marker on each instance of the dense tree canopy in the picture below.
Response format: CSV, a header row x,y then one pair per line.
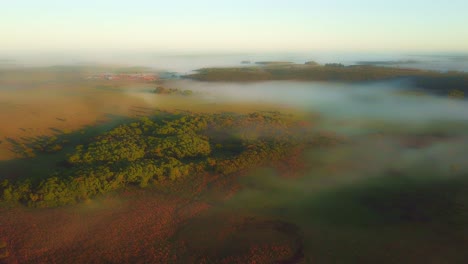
x,y
151,150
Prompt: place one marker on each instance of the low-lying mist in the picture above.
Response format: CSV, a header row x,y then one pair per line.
x,y
400,175
392,101
390,127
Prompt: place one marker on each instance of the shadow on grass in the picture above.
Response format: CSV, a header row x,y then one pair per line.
x,y
39,156
396,200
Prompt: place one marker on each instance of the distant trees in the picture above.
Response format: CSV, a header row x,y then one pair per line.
x,y
436,82
163,90
312,63
335,65
456,94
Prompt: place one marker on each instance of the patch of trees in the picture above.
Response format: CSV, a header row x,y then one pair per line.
x,y
336,65
148,151
164,90
242,74
312,63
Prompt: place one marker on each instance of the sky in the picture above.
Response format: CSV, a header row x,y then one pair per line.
x,y
240,25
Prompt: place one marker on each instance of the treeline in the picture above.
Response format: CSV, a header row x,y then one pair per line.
x,y
436,82
174,91
151,150
327,72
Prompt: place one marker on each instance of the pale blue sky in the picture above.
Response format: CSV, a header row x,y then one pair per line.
x,y
241,25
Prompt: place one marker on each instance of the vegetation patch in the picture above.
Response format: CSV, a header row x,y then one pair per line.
x,y
147,151
164,90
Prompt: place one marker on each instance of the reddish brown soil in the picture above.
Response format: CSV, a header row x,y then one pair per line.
x,y
167,224
134,229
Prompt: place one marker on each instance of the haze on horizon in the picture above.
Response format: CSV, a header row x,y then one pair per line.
x,y
244,25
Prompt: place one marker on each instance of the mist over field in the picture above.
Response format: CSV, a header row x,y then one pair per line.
x,y
385,101
399,176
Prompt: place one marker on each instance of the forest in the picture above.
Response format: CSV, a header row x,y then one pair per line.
x,y
151,150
